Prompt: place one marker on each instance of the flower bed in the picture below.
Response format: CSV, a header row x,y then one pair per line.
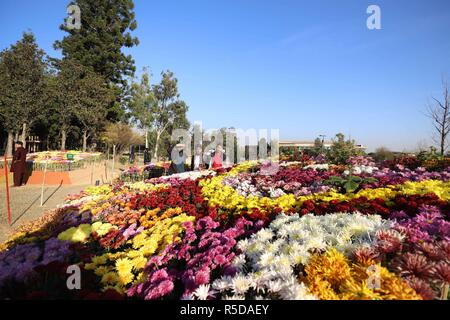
x,y
61,160
257,231
149,171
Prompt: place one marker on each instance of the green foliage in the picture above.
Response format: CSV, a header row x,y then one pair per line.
x,y
22,83
342,149
348,183
76,93
318,148
166,112
429,155
120,135
142,103
382,154
106,27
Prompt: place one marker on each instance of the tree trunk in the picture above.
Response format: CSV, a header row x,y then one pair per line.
x,y
63,139
155,155
23,138
146,138
85,140
9,145
16,136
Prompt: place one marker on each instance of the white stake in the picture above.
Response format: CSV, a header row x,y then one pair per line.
x,y
43,183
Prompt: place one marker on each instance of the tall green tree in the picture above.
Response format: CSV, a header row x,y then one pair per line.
x,y
168,111
318,147
142,104
342,149
22,86
78,94
106,27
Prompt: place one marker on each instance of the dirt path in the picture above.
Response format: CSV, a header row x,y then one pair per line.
x,y
25,204
25,201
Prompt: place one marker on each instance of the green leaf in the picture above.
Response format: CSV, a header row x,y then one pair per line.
x,y
351,186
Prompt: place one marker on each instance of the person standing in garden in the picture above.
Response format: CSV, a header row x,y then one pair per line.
x,y
218,158
19,164
177,164
197,162
146,156
132,155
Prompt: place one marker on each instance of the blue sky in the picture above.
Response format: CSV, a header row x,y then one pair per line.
x,y
304,67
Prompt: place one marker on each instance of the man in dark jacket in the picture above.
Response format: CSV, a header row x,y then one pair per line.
x,y
19,164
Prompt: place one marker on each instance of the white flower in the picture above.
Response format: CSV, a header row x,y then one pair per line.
x,y
264,235
296,291
271,254
243,245
274,286
239,262
234,297
315,243
266,259
203,292
241,284
187,297
223,284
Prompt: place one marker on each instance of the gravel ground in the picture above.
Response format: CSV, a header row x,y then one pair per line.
x,y
25,204
25,201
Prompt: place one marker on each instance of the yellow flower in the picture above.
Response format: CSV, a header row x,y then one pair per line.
x,y
78,234
100,271
110,278
139,262
98,260
123,265
126,278
331,276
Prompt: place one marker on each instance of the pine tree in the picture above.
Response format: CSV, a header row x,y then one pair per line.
x,y
22,86
105,30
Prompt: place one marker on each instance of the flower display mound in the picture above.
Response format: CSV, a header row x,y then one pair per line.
x,y
254,231
149,171
61,157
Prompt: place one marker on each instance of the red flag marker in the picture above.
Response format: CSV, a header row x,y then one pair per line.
x,y
7,190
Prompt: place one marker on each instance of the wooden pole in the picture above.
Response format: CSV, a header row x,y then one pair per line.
x,y
92,172
7,190
114,162
43,183
106,164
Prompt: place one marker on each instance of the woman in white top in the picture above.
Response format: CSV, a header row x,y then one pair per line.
x,y
197,163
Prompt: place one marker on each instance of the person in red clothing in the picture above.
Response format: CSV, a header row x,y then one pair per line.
x,y
19,164
218,158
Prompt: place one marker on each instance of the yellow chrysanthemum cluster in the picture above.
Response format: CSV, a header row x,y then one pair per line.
x,y
243,167
118,270
95,204
151,217
143,186
331,276
228,198
98,190
100,202
83,232
16,239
